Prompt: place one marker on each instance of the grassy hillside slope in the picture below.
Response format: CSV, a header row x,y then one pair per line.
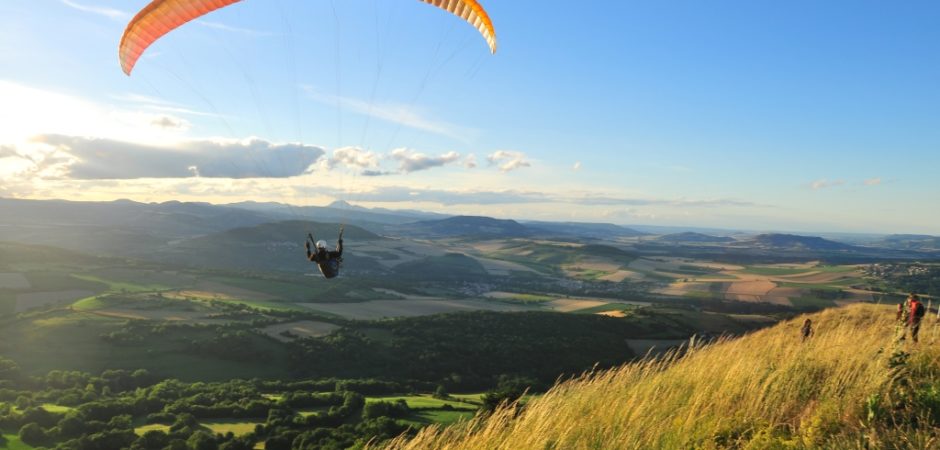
x,y
852,385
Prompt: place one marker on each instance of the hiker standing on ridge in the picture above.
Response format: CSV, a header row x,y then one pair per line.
x,y
807,329
903,316
918,310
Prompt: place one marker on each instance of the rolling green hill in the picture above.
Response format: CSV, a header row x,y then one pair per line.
x,y
267,247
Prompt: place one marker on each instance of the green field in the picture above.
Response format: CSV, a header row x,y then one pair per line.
x,y
542,258
72,341
266,305
470,398
588,274
775,271
7,302
428,410
835,269
10,441
311,411
515,297
223,426
604,308
788,271
707,295
422,418
56,409
89,304
653,275
811,286
423,401
811,302
279,289
55,281
151,427
97,302
123,286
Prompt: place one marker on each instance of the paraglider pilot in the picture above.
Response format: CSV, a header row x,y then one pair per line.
x,y
328,261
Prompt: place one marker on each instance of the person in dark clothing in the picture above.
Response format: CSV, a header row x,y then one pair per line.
x,y
904,316
807,329
328,261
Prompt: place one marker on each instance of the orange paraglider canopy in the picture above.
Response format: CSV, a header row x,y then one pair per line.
x,y
162,16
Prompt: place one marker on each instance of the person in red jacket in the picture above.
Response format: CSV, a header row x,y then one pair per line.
x,y
918,310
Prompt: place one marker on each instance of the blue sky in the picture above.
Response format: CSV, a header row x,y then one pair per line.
x,y
802,116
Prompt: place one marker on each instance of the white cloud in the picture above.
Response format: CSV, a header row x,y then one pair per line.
x,y
170,123
106,159
576,167
8,151
110,13
825,184
508,161
353,157
470,162
873,181
412,161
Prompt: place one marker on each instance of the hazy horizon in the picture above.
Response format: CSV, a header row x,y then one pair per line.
x,y
289,209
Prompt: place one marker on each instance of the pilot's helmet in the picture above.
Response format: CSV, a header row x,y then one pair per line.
x,y
321,244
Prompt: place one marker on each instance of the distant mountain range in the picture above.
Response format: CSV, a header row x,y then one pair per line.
x,y
120,227
692,237
592,230
169,218
134,229
918,242
341,212
488,227
466,226
797,243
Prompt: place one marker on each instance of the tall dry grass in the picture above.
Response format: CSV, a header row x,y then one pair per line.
x,y
765,390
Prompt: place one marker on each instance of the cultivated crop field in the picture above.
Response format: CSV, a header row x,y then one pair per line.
x,y
14,281
305,328
380,309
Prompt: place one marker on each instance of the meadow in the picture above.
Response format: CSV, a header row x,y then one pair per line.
x,y
852,385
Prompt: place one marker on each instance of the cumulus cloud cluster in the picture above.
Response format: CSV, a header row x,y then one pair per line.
x,y
508,161
170,123
412,161
83,158
96,159
406,161
352,157
8,151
